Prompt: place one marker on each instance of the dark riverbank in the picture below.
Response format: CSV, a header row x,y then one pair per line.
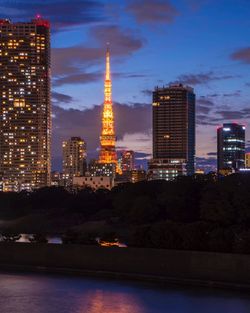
x,y
152,265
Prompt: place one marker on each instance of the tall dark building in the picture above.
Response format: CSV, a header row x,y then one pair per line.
x,y
173,132
230,147
25,109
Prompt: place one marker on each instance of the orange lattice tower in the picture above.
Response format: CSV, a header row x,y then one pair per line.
x,y
107,152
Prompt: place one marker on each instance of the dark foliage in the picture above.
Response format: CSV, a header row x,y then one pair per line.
x,y
191,213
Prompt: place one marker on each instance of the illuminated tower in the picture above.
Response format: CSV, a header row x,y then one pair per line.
x,y
107,139
25,109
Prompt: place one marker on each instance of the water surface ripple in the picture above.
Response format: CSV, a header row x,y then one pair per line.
x,y
33,293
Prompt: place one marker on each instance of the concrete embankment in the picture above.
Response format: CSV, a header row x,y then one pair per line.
x,y
155,265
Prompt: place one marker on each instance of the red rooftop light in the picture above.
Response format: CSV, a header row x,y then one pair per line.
x,y
39,21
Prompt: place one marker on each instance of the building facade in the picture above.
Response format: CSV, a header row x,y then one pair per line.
x,y
230,148
247,160
56,178
173,132
138,175
25,108
128,161
96,169
99,182
74,158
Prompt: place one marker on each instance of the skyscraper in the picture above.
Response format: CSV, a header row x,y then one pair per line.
x,y
230,147
107,139
74,158
173,132
25,109
128,161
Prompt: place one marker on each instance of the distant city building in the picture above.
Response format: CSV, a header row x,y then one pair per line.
x,y
138,175
230,148
173,132
56,179
125,177
74,158
247,160
200,171
101,169
96,182
128,161
119,164
25,110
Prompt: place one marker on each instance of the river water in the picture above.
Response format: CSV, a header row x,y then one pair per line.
x,y
34,293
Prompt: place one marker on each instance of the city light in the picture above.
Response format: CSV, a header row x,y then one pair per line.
x,y
107,139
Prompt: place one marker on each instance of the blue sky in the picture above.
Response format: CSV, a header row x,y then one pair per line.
x,y
202,43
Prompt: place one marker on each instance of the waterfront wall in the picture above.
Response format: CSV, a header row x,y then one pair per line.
x,y
206,267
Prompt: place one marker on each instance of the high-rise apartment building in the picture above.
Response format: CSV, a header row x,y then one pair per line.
x,y
25,109
173,132
128,161
230,147
74,158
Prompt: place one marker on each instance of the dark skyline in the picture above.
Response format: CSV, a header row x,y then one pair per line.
x,y
201,43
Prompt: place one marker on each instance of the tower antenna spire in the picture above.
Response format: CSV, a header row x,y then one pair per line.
x,y
107,75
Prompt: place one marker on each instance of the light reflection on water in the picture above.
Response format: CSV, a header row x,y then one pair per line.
x,y
110,302
31,293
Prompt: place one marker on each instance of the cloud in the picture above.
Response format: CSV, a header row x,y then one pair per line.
x,y
135,75
237,93
213,95
203,109
142,155
122,41
140,142
61,13
232,115
58,98
203,119
152,12
205,101
147,92
70,64
242,55
204,105
201,78
130,119
75,79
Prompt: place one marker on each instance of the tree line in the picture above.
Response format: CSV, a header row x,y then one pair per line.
x,y
191,213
